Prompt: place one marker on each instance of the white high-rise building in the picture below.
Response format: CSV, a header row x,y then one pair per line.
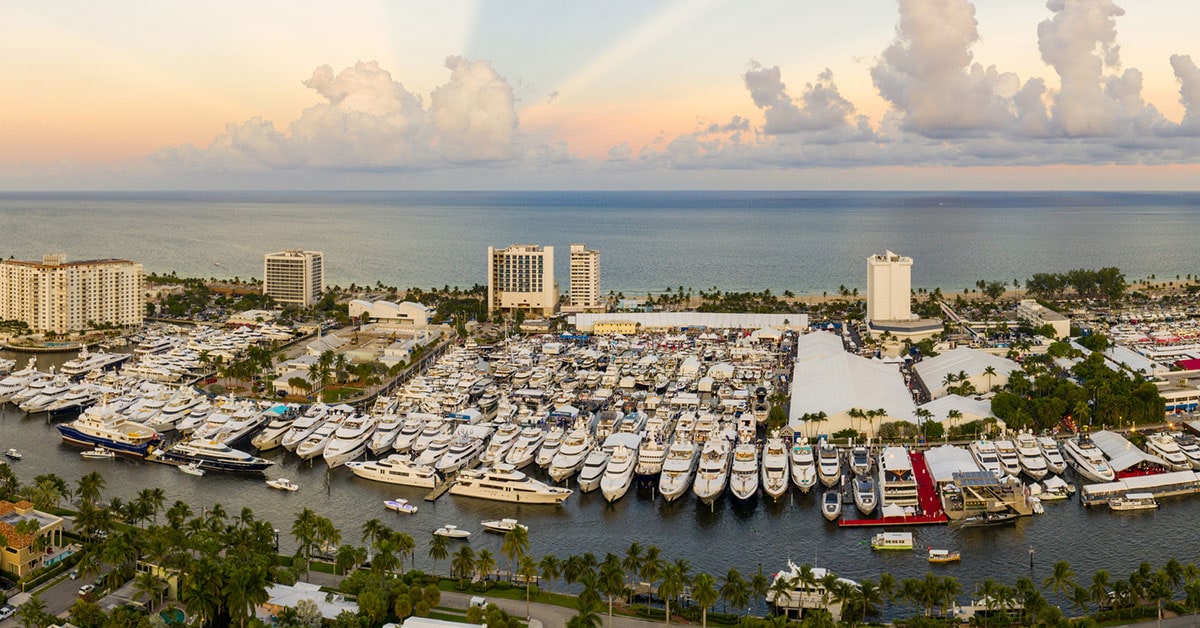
x,y
294,276
60,296
521,277
889,287
585,279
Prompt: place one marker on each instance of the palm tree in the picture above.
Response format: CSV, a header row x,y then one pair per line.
x,y
438,550
463,564
551,567
202,590
733,589
89,487
346,558
990,372
588,617
632,564
1099,588
611,581
652,567
870,595
704,591
887,589
572,570
149,584
528,572
672,584
485,564
1079,599
759,584
373,530
304,530
516,545
1062,581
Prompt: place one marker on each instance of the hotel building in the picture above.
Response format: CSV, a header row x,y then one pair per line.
x,y
294,276
889,299
521,277
60,296
585,281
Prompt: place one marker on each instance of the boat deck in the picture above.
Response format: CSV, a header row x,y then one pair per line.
x,y
930,504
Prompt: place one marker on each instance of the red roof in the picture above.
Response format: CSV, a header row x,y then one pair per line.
x,y
1189,365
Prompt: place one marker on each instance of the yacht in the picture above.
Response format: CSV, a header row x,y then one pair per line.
x,y
18,381
713,472
743,474
1087,459
829,464
804,466
179,406
549,449
506,484
679,469
396,469
350,440
240,425
860,460
503,440
48,394
984,452
1006,451
775,468
87,362
283,484
1189,447
502,526
212,455
320,437
1164,446
571,454
305,425
593,469
1050,451
401,506
102,426
36,385
408,434
462,454
618,475
272,435
831,504
433,428
865,496
525,449
79,398
436,449
451,532
1029,454
386,430
650,456
1133,501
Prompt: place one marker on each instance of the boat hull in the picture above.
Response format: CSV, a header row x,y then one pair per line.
x,y
73,435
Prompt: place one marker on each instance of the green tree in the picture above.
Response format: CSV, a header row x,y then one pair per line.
x,y
515,546
438,550
704,591
528,571
611,581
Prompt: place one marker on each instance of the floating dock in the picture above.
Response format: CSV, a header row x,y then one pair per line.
x,y
930,504
439,490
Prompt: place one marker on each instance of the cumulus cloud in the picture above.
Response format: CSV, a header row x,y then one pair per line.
x,y
369,120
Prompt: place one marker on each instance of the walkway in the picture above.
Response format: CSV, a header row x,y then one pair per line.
x,y
927,494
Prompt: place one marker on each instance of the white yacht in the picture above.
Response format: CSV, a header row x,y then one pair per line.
x,y
618,475
462,454
679,469
1164,446
212,455
396,469
241,424
804,466
436,449
743,473
865,496
1087,459
984,452
79,398
408,434
350,440
319,438
150,405
35,386
17,381
179,406
650,456
506,484
549,449
102,426
831,504
1006,451
1029,454
48,394
503,440
386,430
525,449
1050,451
305,425
775,468
1189,447
575,447
502,526
860,460
593,469
272,435
713,472
829,464
433,428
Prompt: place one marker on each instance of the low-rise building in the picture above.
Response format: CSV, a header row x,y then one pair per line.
x,y
281,596
27,548
406,314
613,327
1039,315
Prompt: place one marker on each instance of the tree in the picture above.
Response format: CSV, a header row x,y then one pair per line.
x,y
485,565
1099,588
438,550
1062,581
528,572
551,567
611,581
463,564
515,545
672,584
758,586
705,593
733,589
304,530
89,487
990,372
149,584
33,613
632,563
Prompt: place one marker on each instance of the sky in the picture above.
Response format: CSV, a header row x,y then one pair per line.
x,y
533,94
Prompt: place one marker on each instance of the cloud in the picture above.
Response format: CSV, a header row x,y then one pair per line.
x,y
369,121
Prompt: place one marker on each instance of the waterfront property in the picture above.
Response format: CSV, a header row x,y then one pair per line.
x,y
294,276
521,277
34,537
60,296
585,281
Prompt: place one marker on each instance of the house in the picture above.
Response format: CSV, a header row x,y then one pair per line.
x,y
28,549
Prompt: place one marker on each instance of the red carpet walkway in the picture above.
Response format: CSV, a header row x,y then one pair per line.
x,y
930,505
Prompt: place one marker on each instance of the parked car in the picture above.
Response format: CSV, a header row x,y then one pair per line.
x,y
6,612
87,588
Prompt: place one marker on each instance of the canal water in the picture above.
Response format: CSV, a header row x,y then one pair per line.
x,y
729,534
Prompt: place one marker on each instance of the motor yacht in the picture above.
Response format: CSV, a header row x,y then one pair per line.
x,y
506,484
550,444
713,473
396,469
436,449
860,460
87,362
571,454
212,455
408,434
775,468
503,440
865,496
1190,448
1010,463
1164,446
618,475
35,386
502,526
244,421
743,473
349,442
650,456
386,430
804,465
523,452
305,425
984,452
1029,454
179,406
272,435
829,464
831,504
17,381
462,454
102,426
1052,454
594,465
316,442
46,396
150,405
79,398
1087,459
679,469
433,428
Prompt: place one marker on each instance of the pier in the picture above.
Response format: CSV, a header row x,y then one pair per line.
x,y
931,512
440,489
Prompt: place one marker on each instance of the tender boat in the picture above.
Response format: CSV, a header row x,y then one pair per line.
x,y
988,519
396,469
892,541
13,454
865,496
502,526
1133,501
451,532
403,507
831,504
506,484
283,484
1029,454
1087,459
1189,447
192,469
743,474
1052,454
941,556
860,460
571,455
98,453
713,473
212,455
1006,451
1164,446
593,469
984,452
678,470
804,466
618,475
775,468
829,464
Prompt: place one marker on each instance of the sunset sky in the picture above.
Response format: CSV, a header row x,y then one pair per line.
x,y
798,94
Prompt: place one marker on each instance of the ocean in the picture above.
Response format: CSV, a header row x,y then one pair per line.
x,y
805,242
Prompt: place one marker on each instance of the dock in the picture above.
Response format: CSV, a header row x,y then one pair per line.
x,y
439,490
929,503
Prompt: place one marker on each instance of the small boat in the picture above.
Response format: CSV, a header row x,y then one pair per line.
x,y
98,453
988,519
941,556
401,506
1133,501
13,454
831,504
283,484
451,532
860,460
192,469
865,496
892,541
1055,488
503,526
